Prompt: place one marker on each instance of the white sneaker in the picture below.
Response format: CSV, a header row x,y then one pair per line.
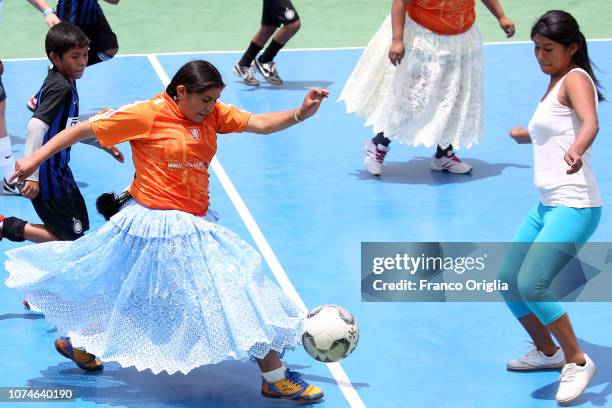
x,y
450,163
574,380
246,74
10,189
536,360
374,158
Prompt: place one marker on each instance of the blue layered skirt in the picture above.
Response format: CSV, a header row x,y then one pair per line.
x,y
158,289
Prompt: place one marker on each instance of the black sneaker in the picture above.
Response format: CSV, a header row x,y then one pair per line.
x,y
9,189
268,71
246,74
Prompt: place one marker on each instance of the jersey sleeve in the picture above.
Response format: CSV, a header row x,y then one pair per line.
x,y
51,100
230,119
130,122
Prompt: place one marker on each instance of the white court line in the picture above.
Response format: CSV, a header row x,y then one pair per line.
x,y
284,50
336,369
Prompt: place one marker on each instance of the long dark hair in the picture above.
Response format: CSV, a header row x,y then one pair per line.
x,y
197,76
560,26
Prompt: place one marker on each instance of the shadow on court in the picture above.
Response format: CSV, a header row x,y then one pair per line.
x,y
288,85
602,356
228,384
418,171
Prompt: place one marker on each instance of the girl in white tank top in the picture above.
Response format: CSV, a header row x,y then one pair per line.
x,y
561,130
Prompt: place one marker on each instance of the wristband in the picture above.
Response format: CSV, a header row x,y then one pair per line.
x,y
296,118
48,11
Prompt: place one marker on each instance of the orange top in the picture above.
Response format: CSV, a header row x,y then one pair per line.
x,y
171,154
446,17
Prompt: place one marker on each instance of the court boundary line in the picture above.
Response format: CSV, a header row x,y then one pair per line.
x,y
284,50
340,376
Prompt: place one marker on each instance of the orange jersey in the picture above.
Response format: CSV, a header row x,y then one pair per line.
x,y
171,154
446,17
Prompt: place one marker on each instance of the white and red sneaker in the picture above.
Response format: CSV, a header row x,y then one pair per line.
x,y
450,163
374,157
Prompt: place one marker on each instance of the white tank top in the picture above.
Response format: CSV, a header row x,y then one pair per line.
x,y
553,129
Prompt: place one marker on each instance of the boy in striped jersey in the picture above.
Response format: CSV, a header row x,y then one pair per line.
x,y
52,189
89,17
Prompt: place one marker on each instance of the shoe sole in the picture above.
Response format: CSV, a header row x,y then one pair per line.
x,y
548,368
239,75
438,168
297,400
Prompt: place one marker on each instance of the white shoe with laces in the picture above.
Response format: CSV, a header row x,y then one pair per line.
x,y
374,158
574,380
536,360
450,163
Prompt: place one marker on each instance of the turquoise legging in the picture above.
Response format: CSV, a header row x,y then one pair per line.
x,y
529,270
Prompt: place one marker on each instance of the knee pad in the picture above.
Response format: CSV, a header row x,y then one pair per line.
x,y
12,229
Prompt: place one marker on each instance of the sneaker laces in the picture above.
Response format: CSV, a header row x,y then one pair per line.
x,y
569,372
454,158
377,154
296,378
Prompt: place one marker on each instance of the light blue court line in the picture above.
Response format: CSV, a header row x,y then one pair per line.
x,y
314,204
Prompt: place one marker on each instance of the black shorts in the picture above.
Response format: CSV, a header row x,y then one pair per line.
x,y
2,92
67,217
100,34
278,12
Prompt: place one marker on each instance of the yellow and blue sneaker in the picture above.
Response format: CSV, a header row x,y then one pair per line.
x,y
291,387
83,359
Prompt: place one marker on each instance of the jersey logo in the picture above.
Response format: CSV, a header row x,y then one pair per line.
x,y
77,226
195,133
72,121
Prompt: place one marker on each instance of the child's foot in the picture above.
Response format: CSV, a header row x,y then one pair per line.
x,y
450,163
246,74
83,359
9,189
292,387
268,71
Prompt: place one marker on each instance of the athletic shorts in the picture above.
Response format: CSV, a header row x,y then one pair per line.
x,y
66,217
100,34
278,12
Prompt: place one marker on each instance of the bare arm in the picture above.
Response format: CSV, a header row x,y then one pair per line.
x,y
264,123
50,18
504,22
520,135
582,96
67,137
398,20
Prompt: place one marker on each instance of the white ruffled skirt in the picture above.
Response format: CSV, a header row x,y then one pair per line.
x,y
158,289
435,96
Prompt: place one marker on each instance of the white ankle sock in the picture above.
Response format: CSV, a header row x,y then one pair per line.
x,y
275,375
7,159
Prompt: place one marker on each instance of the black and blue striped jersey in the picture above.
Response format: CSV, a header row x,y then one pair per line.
x,y
79,12
58,107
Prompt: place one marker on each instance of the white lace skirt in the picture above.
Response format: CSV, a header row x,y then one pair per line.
x,y
435,96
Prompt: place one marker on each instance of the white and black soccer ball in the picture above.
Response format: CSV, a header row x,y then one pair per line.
x,y
330,333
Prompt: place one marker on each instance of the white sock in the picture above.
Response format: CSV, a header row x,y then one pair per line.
x,y
275,375
7,159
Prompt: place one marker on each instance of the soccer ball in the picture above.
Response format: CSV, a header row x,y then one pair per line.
x,y
330,333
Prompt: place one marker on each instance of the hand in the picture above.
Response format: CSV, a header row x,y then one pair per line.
x,y
574,160
507,26
30,189
52,20
396,52
520,135
311,103
115,152
23,169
